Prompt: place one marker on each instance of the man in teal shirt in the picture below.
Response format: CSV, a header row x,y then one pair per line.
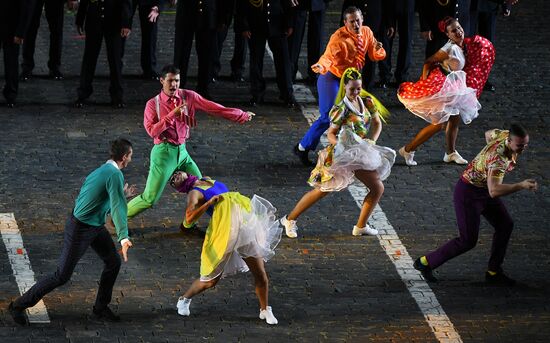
x,y
103,191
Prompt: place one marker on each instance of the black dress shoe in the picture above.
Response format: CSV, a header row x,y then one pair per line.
x,y
193,231
152,75
237,78
303,156
56,74
255,101
10,104
18,315
292,103
426,271
106,313
499,279
25,75
489,87
79,103
382,84
118,104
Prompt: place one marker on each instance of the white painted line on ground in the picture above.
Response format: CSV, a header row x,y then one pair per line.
x,y
21,265
419,289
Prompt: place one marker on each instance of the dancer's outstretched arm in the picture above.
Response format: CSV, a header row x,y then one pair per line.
x,y
196,206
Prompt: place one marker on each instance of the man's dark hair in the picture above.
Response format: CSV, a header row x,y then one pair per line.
x,y
350,10
119,148
169,69
518,130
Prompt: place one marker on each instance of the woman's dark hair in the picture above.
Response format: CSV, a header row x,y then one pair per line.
x,y
445,22
169,69
119,148
518,130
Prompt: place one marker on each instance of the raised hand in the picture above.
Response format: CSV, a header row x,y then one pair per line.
x,y
250,115
130,191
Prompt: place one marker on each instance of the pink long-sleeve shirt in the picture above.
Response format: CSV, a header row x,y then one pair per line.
x,y
163,126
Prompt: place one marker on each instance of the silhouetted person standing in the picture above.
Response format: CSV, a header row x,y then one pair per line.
x,y
54,15
107,20
14,21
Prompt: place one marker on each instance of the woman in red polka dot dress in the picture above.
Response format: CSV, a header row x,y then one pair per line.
x,y
451,82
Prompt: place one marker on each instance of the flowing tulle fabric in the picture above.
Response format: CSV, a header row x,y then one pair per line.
x,y
252,233
439,97
352,153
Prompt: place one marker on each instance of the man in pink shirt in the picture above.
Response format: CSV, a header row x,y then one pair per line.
x,y
168,118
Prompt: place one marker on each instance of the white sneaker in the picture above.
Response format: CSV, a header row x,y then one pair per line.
x,y
454,157
267,314
290,227
367,230
408,156
183,306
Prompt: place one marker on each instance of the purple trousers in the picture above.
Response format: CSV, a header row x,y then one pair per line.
x,y
471,203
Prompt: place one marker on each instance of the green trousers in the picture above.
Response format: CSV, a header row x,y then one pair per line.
x,y
165,160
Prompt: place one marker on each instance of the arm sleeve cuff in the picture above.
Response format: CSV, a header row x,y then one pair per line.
x,y
123,241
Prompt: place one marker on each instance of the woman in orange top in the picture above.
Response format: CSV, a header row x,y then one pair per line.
x,y
346,48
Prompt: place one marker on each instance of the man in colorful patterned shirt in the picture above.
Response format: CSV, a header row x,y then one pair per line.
x,y
478,192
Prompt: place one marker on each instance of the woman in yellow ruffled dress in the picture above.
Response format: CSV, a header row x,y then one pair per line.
x,y
241,236
355,126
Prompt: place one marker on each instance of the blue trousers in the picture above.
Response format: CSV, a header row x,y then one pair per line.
x,y
327,88
78,237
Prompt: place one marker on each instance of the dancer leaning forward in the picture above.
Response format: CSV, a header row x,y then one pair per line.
x,y
241,236
354,129
452,81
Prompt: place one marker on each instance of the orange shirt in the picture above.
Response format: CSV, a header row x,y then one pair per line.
x,y
341,52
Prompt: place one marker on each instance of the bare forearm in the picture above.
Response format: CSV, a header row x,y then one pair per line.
x,y
192,216
375,130
504,189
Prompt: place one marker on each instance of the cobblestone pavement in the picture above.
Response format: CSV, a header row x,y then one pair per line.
x,y
326,285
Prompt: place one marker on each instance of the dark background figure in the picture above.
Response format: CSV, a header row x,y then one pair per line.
x,y
107,20
228,12
14,22
314,12
199,19
269,21
430,12
373,18
483,21
398,17
148,11
54,15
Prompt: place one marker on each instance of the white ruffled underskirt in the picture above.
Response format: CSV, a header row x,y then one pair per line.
x,y
352,153
454,98
254,234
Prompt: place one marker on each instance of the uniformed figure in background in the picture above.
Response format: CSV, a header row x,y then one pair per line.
x,y
268,21
314,12
199,19
239,47
54,15
148,12
398,20
430,12
14,21
107,20
483,21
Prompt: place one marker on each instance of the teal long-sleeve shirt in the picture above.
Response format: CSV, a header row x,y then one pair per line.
x,y
103,192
